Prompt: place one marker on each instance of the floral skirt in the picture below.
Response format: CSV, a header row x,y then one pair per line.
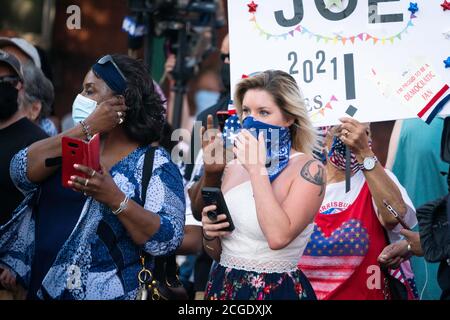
x,y
233,284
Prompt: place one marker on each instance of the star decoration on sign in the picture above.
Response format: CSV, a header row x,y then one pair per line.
x,y
330,3
252,7
447,63
446,5
413,7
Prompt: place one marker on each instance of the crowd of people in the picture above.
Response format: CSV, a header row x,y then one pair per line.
x,y
298,233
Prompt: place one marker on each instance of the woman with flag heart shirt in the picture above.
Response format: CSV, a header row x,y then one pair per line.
x,y
351,229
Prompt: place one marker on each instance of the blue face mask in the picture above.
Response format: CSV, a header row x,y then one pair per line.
x,y
82,108
205,99
278,141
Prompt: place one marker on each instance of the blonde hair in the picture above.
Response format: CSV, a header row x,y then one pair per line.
x,y
287,96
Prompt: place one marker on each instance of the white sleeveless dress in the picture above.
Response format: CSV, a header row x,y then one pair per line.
x,y
248,268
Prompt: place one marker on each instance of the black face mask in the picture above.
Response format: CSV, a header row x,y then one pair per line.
x,y
8,100
225,74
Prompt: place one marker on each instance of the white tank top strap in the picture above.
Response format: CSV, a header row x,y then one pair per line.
x,y
292,156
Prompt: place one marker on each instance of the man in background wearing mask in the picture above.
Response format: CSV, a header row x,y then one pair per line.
x,y
208,90
29,58
16,131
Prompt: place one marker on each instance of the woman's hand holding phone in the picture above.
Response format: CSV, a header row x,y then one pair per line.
x,y
7,279
212,227
100,185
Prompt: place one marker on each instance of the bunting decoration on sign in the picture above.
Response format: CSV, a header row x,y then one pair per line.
x,y
321,112
362,37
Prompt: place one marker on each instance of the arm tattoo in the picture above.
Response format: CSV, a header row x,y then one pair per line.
x,y
317,179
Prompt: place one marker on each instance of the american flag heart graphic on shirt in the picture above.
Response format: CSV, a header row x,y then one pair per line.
x,y
328,261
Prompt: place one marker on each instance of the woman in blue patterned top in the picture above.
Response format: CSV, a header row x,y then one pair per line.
x,y
85,242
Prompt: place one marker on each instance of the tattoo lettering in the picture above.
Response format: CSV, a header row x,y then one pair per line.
x,y
317,179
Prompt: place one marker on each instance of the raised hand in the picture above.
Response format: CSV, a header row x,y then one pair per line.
x,y
251,153
107,115
214,153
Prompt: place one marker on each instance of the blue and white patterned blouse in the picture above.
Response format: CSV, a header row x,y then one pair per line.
x,y
99,260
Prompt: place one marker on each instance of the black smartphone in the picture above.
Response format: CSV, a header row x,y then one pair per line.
x,y
222,117
213,196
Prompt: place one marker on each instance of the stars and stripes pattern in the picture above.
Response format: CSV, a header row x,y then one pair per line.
x,y
337,156
231,130
435,105
328,261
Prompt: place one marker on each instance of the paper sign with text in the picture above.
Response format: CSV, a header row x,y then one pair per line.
x,y
333,48
417,87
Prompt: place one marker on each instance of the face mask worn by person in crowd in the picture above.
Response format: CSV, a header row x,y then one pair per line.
x,y
225,75
106,69
8,100
205,99
336,154
82,108
278,141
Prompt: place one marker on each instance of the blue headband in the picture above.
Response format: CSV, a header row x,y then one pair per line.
x,y
111,76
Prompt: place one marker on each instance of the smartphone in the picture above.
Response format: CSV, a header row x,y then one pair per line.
x,y
76,151
396,215
213,196
222,116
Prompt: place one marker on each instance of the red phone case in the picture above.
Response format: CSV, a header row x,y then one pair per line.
x,y
76,151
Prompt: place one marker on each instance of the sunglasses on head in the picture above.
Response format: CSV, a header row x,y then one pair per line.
x,y
108,58
13,80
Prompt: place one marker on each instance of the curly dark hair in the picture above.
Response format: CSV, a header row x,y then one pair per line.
x,y
146,114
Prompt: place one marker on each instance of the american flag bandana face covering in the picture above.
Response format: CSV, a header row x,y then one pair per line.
x,y
337,156
278,141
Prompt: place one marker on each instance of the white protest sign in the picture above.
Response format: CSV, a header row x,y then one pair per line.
x,y
418,88
333,47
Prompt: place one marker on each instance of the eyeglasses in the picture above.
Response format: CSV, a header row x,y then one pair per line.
x,y
107,59
12,80
224,56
